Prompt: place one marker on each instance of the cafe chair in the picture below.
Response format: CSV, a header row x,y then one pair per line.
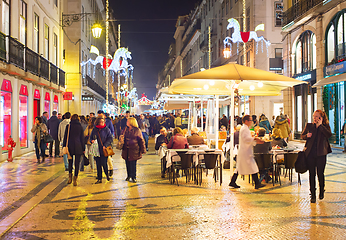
x,y
209,162
289,161
264,163
185,164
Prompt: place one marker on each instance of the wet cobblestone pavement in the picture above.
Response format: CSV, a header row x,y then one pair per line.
x,y
36,203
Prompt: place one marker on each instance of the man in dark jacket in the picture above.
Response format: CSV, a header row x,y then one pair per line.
x,y
162,139
109,123
53,127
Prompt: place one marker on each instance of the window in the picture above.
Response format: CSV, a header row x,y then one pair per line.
x,y
56,3
36,33
23,121
305,53
278,52
336,39
46,41
6,17
55,49
22,22
248,58
248,19
5,117
278,8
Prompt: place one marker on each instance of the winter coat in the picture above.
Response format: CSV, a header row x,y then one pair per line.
x,y
178,141
160,140
76,145
282,124
264,123
195,139
144,125
62,127
109,124
38,132
106,137
245,160
177,122
323,134
279,142
53,126
84,125
134,144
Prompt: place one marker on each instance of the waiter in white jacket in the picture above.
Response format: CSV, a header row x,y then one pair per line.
x,y
246,164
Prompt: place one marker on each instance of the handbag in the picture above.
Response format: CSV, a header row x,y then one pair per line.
x,y
65,149
108,151
300,164
86,160
94,149
48,138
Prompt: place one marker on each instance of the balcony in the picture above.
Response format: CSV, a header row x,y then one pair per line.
x,y
2,46
88,82
14,53
299,9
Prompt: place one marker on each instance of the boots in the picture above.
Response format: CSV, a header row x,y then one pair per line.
x,y
74,180
110,173
257,182
321,194
69,178
233,180
313,195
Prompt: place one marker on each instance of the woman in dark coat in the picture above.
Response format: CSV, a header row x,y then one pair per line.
x,y
76,146
39,130
316,149
104,137
133,148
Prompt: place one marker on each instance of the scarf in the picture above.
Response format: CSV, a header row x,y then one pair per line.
x,y
100,127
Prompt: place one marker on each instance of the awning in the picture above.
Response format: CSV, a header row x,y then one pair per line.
x,y
330,80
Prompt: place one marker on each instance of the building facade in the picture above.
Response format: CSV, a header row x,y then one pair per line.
x,y
31,76
314,51
88,82
195,48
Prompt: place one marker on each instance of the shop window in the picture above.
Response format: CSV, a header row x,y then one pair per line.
x,y
5,117
23,121
56,103
47,103
299,112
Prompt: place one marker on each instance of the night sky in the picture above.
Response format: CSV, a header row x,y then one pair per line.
x,y
147,29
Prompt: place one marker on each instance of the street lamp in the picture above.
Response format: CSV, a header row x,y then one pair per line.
x,y
96,30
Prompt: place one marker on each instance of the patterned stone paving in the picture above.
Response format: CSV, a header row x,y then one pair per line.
x,y
38,204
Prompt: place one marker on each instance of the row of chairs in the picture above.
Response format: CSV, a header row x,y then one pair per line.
x,y
190,171
265,163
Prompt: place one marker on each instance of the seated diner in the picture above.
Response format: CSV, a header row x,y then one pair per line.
x,y
178,141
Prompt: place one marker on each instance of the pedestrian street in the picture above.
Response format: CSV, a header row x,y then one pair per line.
x,y
36,203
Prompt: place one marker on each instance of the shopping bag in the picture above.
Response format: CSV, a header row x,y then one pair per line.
x,y
94,149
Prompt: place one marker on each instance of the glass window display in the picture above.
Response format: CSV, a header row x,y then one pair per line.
x,y
23,121
5,117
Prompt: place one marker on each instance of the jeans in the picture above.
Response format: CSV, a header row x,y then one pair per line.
x,y
65,161
76,164
101,162
56,147
131,168
316,163
146,139
42,148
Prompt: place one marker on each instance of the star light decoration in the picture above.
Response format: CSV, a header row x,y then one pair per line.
x,y
116,64
243,37
144,100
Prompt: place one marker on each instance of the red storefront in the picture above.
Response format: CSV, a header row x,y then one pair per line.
x,y
23,116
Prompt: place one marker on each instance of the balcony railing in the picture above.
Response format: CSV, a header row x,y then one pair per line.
x,y
13,52
44,68
2,46
61,78
299,9
32,61
16,53
53,73
88,82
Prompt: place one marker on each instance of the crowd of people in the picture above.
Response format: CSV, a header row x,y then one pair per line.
x,y
78,134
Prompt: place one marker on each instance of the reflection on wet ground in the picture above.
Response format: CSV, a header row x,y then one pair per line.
x,y
48,208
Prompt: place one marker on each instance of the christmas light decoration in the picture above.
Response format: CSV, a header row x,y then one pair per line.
x,y
144,101
243,37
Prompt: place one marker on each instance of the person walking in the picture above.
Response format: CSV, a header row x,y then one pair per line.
x,y
133,148
87,133
144,126
316,148
282,123
74,141
39,129
53,127
246,164
61,134
264,123
104,138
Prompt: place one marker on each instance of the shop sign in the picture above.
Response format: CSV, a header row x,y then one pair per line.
x,y
87,98
37,94
6,86
56,99
334,69
306,76
47,97
23,90
68,96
